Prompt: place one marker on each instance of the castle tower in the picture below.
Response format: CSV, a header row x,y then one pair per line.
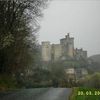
x,y
67,44
46,51
71,48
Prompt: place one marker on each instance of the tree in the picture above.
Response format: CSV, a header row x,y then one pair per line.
x,y
17,42
92,81
58,75
12,12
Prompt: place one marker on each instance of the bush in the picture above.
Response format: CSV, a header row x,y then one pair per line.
x,y
92,81
7,82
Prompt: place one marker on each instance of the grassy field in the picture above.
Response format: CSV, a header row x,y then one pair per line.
x,y
85,94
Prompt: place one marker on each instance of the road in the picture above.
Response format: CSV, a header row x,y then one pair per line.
x,y
37,94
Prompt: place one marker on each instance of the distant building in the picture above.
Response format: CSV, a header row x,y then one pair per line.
x,y
64,50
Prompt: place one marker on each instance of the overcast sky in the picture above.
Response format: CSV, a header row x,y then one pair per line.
x,y
79,17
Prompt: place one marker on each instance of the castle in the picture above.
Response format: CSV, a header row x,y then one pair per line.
x,y
64,50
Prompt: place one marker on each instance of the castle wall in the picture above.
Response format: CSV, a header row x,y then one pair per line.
x,y
46,51
80,53
84,53
63,45
56,51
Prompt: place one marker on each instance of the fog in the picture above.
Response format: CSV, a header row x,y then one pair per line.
x,y
80,18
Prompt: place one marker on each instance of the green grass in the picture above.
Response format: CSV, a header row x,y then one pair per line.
x,y
85,94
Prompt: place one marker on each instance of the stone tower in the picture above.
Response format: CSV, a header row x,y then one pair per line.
x,y
67,44
46,51
71,48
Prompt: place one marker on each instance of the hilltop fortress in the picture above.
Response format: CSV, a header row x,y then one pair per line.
x,y
63,51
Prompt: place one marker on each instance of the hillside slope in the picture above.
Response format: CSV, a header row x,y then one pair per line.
x,y
95,58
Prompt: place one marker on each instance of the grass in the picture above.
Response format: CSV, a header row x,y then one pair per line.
x,y
85,94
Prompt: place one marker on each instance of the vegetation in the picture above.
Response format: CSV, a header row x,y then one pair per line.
x,y
92,81
7,82
18,45
94,67
76,63
95,58
58,75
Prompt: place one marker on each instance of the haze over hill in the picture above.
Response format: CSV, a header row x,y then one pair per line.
x,y
95,58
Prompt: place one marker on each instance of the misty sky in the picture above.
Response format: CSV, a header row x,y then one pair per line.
x,y
79,17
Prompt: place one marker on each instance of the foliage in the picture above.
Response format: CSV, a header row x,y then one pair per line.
x,y
58,75
18,45
17,42
73,94
38,78
92,81
7,82
76,63
94,67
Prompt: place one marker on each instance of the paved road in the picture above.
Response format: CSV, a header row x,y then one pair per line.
x,y
37,94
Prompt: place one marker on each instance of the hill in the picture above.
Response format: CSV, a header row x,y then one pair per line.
x,y
95,58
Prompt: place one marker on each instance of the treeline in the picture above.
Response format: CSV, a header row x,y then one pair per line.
x,y
18,44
